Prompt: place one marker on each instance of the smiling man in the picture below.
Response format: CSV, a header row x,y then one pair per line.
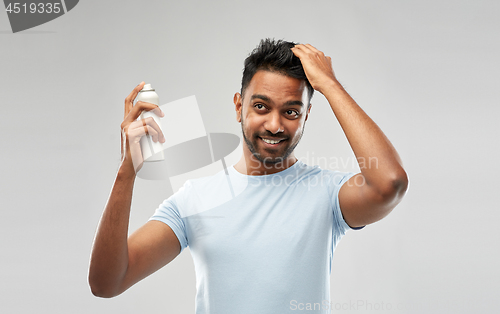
x,y
269,247
276,108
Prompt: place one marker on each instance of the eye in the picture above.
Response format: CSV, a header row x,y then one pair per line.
x,y
259,106
293,113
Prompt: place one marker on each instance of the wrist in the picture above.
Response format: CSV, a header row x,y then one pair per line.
x,y
333,89
330,86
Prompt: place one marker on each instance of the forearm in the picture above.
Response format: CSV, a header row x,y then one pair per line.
x,y
109,258
379,162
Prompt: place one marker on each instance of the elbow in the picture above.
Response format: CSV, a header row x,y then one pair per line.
x,y
101,290
384,197
401,183
395,187
100,293
103,280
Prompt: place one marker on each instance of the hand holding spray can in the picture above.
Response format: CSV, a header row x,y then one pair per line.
x,y
151,151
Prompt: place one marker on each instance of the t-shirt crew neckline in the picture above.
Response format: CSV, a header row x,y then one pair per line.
x,y
296,165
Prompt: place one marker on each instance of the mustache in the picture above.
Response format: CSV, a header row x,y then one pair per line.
x,y
271,135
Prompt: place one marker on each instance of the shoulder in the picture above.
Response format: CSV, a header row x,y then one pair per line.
x,y
201,194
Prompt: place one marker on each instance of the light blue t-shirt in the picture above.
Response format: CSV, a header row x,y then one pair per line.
x,y
260,244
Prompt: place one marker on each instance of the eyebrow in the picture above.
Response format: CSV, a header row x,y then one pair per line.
x,y
288,103
264,98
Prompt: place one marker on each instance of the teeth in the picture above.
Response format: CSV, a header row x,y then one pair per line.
x,y
271,141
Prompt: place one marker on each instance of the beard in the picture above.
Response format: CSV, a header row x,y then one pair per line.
x,y
252,141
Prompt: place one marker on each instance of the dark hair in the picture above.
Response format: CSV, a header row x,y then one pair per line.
x,y
275,56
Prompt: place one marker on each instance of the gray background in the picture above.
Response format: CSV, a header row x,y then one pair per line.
x,y
425,71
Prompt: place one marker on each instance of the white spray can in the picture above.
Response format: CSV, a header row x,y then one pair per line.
x,y
151,151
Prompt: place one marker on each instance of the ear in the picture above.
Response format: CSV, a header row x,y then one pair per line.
x,y
238,106
308,110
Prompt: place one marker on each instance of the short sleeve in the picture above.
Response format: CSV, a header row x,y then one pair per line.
x,y
168,213
337,179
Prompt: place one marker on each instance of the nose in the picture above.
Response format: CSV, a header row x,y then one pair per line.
x,y
273,123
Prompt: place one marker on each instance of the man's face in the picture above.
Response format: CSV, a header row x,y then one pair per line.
x,y
272,115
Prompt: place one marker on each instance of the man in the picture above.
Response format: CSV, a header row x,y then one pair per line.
x,y
269,247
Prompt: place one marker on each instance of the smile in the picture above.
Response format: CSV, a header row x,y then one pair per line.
x,y
271,142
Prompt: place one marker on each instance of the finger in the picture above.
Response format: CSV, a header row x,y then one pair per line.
x,y
319,53
133,94
302,47
135,134
136,111
129,101
311,47
148,130
154,129
147,126
157,111
298,51
308,50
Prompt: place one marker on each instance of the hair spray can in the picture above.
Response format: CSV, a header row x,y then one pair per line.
x,y
151,151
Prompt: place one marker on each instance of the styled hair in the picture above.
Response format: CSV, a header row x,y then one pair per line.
x,y
274,56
